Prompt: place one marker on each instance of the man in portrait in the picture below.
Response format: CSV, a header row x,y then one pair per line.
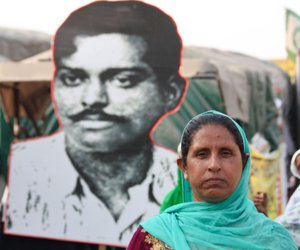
x,y
116,75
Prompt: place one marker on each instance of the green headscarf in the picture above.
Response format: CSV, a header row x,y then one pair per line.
x,y
230,224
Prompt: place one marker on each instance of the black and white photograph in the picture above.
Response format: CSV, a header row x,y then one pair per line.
x,y
97,178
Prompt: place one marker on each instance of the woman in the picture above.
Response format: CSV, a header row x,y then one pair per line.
x,y
291,217
215,162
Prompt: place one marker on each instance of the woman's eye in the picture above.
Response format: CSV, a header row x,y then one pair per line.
x,y
202,154
226,153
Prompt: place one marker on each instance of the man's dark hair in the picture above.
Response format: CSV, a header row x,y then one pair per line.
x,y
125,17
204,119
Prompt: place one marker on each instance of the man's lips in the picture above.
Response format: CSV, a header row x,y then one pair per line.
x,y
96,116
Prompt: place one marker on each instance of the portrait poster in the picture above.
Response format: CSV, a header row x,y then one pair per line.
x,y
101,174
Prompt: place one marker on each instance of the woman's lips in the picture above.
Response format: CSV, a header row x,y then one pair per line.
x,y
214,181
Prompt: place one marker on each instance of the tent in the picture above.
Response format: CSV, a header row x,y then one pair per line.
x,y
244,87
25,94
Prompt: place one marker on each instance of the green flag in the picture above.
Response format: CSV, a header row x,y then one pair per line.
x,y
292,33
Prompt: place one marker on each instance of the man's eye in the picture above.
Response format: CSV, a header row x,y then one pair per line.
x,y
126,80
71,79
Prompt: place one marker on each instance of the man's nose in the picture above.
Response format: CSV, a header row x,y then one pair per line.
x,y
95,93
214,164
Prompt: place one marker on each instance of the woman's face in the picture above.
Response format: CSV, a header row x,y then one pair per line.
x,y
214,164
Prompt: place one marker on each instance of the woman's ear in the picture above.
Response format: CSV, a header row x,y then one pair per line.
x,y
246,157
183,168
173,91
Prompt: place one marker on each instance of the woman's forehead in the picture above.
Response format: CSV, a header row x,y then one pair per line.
x,y
213,132
213,127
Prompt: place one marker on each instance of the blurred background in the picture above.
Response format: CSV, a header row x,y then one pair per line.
x,y
239,57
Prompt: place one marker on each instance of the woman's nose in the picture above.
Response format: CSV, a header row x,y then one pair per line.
x,y
214,164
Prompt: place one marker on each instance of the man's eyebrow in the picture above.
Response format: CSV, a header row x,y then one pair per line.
x,y
76,70
109,72
114,71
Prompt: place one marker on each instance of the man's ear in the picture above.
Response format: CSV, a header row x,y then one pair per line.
x,y
182,167
173,91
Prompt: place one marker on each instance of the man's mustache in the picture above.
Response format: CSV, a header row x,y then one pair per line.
x,y
100,115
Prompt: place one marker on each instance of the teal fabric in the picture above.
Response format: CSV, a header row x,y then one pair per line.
x,y
231,224
174,196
